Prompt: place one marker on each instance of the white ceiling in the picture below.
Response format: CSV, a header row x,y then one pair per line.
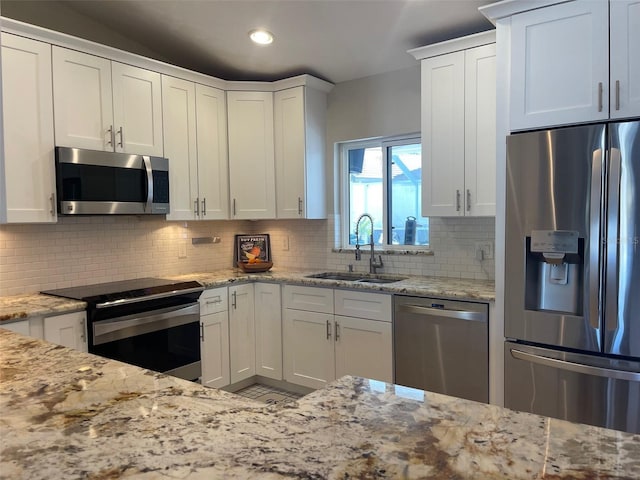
x,y
337,40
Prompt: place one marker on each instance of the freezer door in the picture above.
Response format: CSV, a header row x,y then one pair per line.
x,y
622,277
575,387
554,184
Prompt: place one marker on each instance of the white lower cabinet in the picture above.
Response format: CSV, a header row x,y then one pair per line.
x,y
364,348
242,332
69,330
308,348
320,346
268,320
214,338
21,327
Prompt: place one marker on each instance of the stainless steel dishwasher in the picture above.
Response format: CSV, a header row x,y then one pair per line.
x,y
442,346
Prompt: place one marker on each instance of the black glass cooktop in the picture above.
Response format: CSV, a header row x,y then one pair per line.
x,y
127,289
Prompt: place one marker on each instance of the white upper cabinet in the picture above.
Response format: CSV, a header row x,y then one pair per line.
x,y
180,146
480,131
560,64
27,176
251,155
105,105
625,58
458,131
213,160
195,142
299,128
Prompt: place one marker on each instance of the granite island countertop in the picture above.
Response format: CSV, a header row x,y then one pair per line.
x,y
20,307
78,415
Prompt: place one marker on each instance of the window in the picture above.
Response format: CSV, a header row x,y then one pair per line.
x,y
383,179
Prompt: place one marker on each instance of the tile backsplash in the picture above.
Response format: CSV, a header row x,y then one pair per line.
x,y
78,251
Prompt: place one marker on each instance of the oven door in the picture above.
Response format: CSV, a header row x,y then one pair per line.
x,y
165,340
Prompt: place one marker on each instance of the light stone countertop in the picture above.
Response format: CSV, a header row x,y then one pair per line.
x,y
81,416
21,307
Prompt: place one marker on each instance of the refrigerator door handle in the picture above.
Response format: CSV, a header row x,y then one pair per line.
x,y
612,240
575,367
595,236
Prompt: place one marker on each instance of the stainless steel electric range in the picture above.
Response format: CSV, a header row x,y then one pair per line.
x,y
153,323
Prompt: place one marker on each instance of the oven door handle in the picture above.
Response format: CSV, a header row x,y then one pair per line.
x,y
123,327
127,301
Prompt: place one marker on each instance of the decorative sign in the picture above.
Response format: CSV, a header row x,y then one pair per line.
x,y
554,241
252,249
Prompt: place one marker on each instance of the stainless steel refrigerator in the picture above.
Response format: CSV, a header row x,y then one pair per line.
x,y
572,286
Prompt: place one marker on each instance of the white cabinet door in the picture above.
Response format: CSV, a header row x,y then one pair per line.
x,y
180,147
374,306
363,348
560,65
83,100
480,131
251,156
443,135
27,166
137,110
213,161
69,330
242,332
21,327
215,349
268,317
299,127
625,58
308,348
289,144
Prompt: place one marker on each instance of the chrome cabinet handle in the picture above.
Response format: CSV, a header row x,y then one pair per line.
x,y
213,302
233,300
83,331
468,200
121,133
204,207
299,206
202,331
234,207
196,207
617,94
599,96
328,330
112,139
457,200
337,331
52,199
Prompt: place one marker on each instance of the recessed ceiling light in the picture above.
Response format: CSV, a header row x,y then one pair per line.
x,y
260,36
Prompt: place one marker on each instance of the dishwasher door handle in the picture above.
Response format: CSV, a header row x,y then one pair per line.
x,y
440,312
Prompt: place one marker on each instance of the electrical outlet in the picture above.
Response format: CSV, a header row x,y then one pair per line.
x,y
285,243
182,249
484,251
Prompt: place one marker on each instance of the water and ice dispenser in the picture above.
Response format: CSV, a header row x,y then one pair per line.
x,y
555,271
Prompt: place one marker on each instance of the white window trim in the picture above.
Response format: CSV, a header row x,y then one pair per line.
x,y
383,142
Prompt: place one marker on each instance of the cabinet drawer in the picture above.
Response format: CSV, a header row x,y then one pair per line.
x,y
213,301
375,306
310,299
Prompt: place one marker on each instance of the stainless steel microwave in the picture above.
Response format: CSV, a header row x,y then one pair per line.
x,y
91,182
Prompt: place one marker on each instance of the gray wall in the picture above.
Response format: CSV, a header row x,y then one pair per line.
x,y
377,106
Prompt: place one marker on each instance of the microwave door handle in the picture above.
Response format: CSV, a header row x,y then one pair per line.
x,y
147,166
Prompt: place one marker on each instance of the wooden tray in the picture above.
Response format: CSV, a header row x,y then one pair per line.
x,y
255,267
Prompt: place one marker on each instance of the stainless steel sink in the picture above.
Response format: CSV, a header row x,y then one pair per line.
x,y
356,277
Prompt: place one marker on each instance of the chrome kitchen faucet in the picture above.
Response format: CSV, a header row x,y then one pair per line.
x,y
373,264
